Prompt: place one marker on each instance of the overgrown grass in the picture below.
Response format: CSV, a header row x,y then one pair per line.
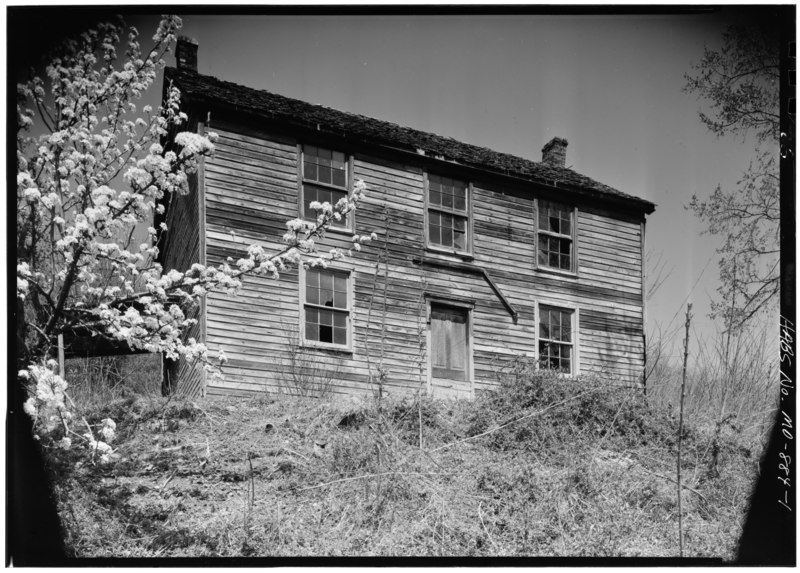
x,y
732,383
542,466
97,381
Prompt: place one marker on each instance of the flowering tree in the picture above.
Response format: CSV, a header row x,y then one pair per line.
x,y
92,170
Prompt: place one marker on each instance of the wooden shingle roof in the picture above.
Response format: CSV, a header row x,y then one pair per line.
x,y
200,89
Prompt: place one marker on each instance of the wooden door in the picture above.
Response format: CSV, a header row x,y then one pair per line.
x,y
449,355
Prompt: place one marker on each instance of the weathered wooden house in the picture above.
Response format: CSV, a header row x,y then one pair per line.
x,y
481,256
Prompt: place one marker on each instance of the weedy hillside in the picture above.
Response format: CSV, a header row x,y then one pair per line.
x,y
543,466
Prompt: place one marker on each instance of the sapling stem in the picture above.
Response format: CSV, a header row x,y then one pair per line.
x,y
680,424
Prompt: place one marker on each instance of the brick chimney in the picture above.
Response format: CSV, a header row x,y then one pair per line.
x,y
555,152
186,53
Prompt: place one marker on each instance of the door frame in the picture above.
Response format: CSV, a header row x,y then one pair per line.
x,y
460,304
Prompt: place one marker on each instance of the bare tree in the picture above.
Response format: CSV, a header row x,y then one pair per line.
x,y
740,81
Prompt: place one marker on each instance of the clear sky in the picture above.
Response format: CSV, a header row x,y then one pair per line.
x,y
610,84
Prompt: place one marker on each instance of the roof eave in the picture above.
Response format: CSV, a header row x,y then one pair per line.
x,y
627,202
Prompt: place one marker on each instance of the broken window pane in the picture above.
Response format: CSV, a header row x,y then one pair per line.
x,y
555,339
326,306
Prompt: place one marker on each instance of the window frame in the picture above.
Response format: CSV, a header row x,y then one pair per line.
x,y
463,253
460,304
574,311
305,343
347,225
573,237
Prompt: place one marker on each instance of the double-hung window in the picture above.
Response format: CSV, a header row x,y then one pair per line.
x,y
556,236
324,176
448,213
327,308
556,339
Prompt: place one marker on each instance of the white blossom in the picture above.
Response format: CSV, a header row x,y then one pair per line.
x,y
78,221
32,194
193,143
30,407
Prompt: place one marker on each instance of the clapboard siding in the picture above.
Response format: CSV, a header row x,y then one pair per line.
x,y
182,249
251,191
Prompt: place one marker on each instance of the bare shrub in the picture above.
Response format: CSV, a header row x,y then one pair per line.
x,y
98,380
558,410
732,379
305,371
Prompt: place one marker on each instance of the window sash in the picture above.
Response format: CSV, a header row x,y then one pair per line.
x,y
323,175
555,248
326,289
555,356
326,308
558,215
447,194
324,166
559,257
324,325
315,192
447,230
556,339
448,213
